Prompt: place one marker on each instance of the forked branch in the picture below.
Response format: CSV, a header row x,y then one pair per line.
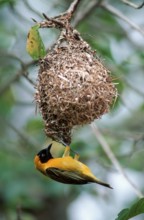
x,y
131,4
61,20
113,159
120,15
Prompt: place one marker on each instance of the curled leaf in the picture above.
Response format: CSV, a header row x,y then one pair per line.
x,y
35,46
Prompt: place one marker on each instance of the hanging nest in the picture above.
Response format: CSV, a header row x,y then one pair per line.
x,y
74,88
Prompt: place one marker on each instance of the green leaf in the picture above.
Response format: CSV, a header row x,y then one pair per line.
x,y
35,46
2,2
134,210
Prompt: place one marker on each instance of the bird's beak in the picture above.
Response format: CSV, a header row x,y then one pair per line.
x,y
48,149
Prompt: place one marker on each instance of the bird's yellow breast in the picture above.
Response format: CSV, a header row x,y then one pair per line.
x,y
65,163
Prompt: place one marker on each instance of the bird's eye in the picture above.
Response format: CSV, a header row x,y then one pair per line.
x,y
43,155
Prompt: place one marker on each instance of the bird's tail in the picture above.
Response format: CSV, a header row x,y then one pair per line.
x,y
98,181
103,184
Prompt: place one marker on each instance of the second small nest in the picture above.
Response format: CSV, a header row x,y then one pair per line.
x,y
74,88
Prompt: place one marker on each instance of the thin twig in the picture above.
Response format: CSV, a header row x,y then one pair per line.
x,y
124,134
16,77
86,11
67,14
132,4
120,15
29,141
70,11
62,19
133,87
17,14
25,75
11,80
53,22
73,7
27,4
113,159
12,56
126,81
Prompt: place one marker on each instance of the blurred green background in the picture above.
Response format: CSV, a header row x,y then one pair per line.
x,y
25,194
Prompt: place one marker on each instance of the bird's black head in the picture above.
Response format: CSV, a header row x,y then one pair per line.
x,y
45,154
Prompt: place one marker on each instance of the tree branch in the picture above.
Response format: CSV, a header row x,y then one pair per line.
x,y
21,72
141,93
27,4
73,7
29,141
132,4
86,11
113,159
120,15
25,75
62,19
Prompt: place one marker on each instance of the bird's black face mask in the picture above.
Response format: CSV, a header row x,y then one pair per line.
x,y
45,154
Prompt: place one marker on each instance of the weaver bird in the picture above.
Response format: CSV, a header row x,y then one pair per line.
x,y
65,169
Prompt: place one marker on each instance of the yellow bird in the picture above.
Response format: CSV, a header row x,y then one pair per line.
x,y
65,169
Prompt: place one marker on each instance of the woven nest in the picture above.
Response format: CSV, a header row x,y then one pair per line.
x,y
74,88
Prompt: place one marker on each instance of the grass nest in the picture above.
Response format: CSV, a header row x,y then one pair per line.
x,y
74,88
